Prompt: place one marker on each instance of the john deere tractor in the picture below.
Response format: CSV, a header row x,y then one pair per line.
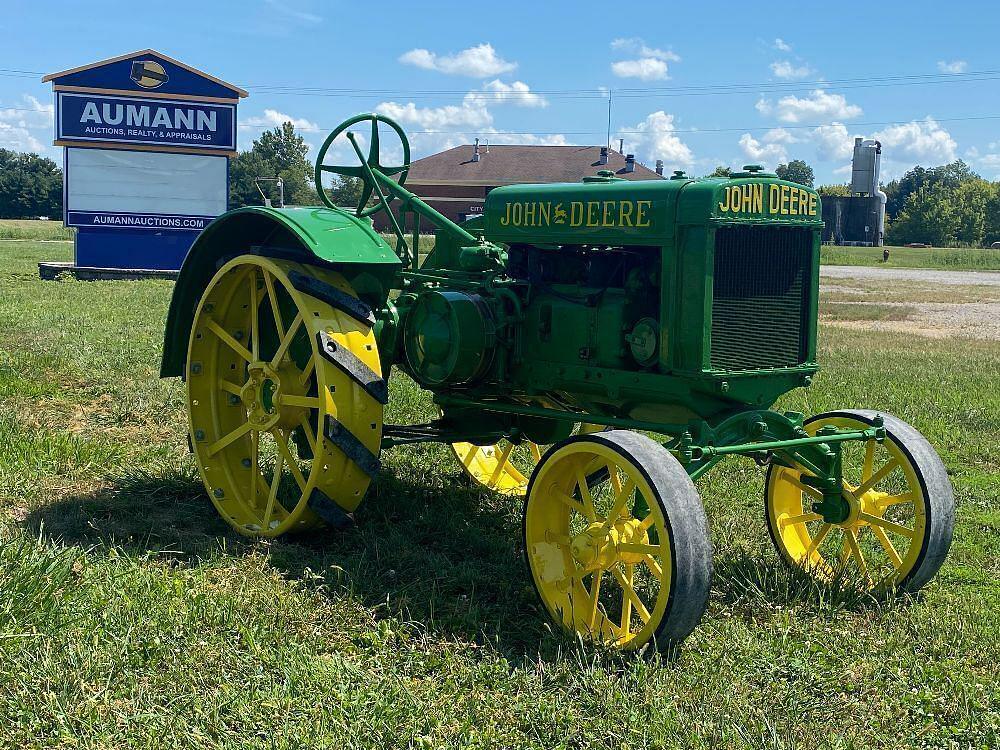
x,y
595,347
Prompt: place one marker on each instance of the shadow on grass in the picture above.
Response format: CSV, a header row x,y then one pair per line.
x,y
446,557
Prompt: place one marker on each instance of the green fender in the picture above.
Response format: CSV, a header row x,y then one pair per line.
x,y
336,237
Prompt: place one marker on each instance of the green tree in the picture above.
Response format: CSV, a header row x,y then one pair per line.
x,y
930,215
796,171
280,152
346,191
721,171
834,190
971,200
949,176
30,186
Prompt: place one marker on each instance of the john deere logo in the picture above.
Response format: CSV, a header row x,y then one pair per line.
x,y
149,74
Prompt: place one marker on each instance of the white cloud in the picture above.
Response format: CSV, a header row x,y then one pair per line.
x,y
917,142
465,115
781,45
517,93
789,70
953,66
654,138
833,142
769,152
819,105
302,16
648,63
645,69
480,61
23,127
273,118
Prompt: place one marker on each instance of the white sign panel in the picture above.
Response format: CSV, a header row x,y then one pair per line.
x,y
144,189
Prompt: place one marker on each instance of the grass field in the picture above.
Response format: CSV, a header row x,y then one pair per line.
x,y
30,229
131,617
953,258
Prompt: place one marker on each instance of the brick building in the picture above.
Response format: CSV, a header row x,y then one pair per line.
x,y
455,182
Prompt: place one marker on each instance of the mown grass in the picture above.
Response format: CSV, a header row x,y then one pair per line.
x,y
136,619
32,229
951,258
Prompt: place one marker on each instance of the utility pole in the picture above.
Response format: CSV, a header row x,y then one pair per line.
x,y
609,118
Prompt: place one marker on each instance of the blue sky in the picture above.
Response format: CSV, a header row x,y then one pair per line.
x,y
694,84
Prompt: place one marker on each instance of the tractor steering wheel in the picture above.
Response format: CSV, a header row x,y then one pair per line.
x,y
372,162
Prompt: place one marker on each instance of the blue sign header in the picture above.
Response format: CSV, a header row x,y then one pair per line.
x,y
96,118
125,220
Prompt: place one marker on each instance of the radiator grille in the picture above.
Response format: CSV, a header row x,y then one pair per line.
x,y
761,297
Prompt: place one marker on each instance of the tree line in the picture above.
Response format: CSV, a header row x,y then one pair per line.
x,y
941,206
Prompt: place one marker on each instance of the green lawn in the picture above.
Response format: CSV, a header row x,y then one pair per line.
x,y
30,229
953,258
131,617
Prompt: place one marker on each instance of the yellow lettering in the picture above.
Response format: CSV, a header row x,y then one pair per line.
x,y
641,217
544,214
803,202
758,198
575,214
625,217
783,206
529,214
724,206
591,217
773,198
812,204
793,201
505,219
747,198
517,215
606,220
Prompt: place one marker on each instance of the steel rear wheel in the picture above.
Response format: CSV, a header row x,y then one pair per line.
x,y
616,540
285,396
505,466
902,508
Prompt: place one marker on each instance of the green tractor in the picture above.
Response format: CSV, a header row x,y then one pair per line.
x,y
595,347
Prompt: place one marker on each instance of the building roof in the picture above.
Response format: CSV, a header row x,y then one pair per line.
x,y
507,165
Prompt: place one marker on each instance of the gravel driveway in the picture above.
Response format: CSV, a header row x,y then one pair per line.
x,y
928,275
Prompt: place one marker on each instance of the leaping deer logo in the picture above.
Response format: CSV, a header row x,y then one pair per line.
x,y
560,214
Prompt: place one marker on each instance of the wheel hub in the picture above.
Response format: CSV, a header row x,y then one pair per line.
x,y
262,396
600,547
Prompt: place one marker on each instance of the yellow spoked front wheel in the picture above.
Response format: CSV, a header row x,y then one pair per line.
x,y
285,395
505,466
617,541
902,507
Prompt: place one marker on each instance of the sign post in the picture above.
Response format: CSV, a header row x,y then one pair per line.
x,y
147,142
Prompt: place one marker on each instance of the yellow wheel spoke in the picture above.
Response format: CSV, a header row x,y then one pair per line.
x,y
883,539
622,497
225,440
307,430
888,500
254,317
571,502
306,371
817,540
229,387
877,477
654,550
536,451
292,464
654,567
272,495
228,340
254,466
851,538
616,483
269,284
588,500
501,464
631,598
286,340
560,539
306,402
595,596
869,462
785,521
647,522
793,480
887,524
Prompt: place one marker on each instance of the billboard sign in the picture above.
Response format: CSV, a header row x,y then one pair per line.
x,y
115,189
92,118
